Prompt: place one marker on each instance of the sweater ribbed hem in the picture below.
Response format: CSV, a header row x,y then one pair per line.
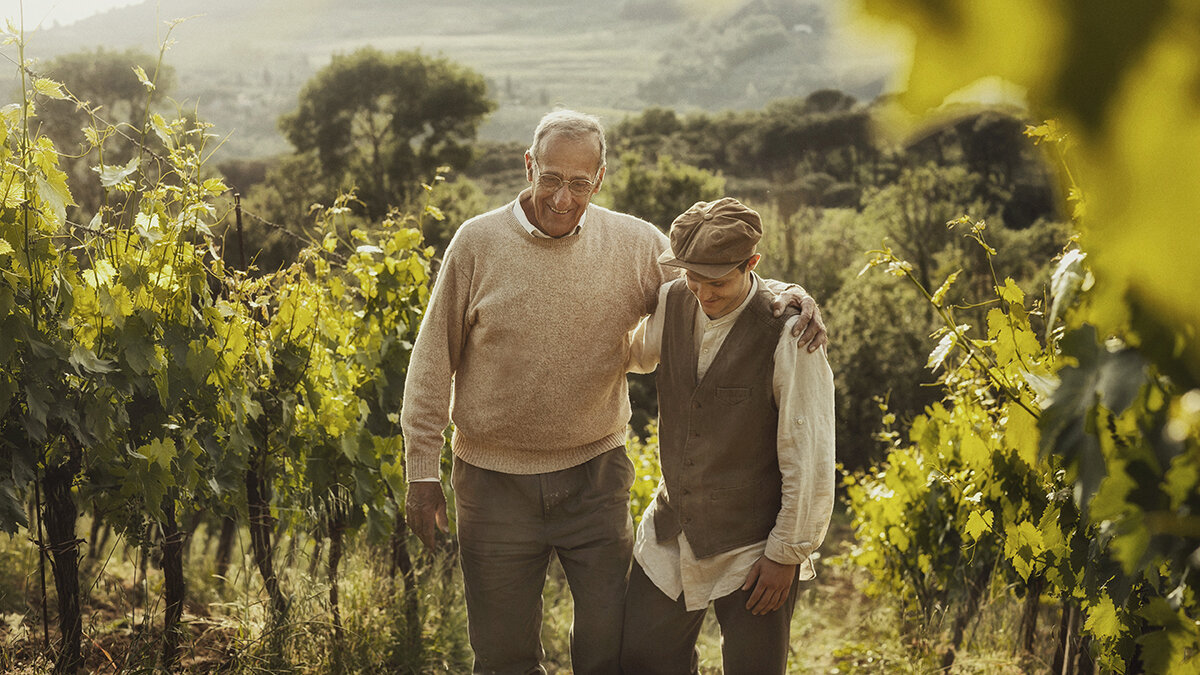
x,y
519,461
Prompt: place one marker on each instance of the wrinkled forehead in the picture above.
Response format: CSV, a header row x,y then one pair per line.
x,y
571,158
557,140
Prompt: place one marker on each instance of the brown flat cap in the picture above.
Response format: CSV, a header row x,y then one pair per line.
x,y
712,238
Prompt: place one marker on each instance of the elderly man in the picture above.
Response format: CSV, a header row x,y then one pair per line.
x,y
523,347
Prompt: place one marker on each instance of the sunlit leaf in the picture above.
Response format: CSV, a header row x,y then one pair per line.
x,y
1021,434
978,524
143,78
939,353
1065,283
162,129
159,451
975,451
940,294
1016,40
1011,293
215,186
111,175
1102,621
57,196
49,88
1109,501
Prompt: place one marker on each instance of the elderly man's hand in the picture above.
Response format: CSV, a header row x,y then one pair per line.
x,y
425,509
810,327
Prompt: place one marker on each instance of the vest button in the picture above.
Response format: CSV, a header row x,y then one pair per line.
x,y
696,404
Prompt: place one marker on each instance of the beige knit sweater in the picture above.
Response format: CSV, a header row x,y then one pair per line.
x,y
524,343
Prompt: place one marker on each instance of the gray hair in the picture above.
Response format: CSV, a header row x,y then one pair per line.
x,y
573,125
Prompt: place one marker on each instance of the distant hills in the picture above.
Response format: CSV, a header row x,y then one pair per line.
x,y
241,63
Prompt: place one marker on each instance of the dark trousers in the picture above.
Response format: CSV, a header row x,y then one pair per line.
x,y
660,633
509,526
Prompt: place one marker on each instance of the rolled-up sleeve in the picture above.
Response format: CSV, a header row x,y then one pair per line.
x,y
803,385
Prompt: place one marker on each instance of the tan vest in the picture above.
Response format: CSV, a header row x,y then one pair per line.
x,y
717,436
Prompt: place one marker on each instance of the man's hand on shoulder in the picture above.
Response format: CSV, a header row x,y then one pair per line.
x,y
810,327
425,509
771,582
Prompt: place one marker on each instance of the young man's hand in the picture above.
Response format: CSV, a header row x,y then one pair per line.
x,y
771,582
425,509
810,327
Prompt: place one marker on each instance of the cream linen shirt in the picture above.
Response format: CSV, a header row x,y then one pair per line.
x,y
803,390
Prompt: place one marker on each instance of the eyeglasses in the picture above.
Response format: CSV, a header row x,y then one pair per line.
x,y
579,187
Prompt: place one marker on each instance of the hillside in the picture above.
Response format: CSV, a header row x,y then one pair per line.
x,y
242,63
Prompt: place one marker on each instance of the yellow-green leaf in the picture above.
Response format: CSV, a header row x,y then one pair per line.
x,y
1011,292
940,294
1102,620
49,88
977,524
159,451
141,76
1022,435
975,451
214,186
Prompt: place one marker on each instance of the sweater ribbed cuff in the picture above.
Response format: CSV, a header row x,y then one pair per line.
x,y
421,467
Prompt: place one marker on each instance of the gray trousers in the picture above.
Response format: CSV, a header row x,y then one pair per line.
x,y
509,525
660,633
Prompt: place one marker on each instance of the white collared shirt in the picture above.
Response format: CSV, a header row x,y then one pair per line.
x,y
523,219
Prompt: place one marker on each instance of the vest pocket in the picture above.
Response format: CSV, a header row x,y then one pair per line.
x,y
732,395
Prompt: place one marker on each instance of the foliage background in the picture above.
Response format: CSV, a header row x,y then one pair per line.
x,y
1074,535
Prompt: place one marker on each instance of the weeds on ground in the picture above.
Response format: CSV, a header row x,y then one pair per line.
x,y
836,628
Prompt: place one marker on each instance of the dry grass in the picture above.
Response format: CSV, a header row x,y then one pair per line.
x,y
836,627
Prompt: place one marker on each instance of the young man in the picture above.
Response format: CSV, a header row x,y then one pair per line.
x,y
746,442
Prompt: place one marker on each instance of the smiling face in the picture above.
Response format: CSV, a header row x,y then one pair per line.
x,y
722,295
557,212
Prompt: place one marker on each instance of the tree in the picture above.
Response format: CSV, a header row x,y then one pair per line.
x,y
829,101
286,197
661,191
109,83
821,130
384,122
915,209
657,192
878,356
